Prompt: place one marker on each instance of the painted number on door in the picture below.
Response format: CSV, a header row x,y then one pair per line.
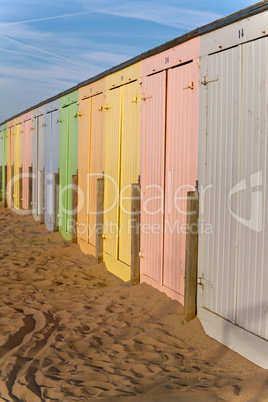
x,y
241,33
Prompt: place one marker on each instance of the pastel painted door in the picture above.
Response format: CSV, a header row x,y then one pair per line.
x,y
112,171
152,176
169,171
90,166
52,134
121,170
18,163
84,167
129,164
38,165
235,277
3,159
180,169
10,163
26,160
68,165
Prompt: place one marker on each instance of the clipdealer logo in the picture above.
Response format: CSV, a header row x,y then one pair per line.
x,y
254,222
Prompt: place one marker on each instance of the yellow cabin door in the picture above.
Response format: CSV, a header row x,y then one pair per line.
x,y
112,172
122,167
96,163
91,161
17,164
130,164
83,167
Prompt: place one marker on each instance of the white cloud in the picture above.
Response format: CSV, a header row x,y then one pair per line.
x,y
164,14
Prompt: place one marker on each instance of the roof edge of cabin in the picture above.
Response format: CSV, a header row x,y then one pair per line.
x,y
225,21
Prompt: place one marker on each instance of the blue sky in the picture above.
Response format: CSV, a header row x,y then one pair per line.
x,y
49,46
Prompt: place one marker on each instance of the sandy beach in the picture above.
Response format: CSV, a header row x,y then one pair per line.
x,y
71,331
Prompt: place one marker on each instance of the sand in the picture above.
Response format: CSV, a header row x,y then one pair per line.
x,y
71,331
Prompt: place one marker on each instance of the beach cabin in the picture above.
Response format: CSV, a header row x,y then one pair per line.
x,y
68,159
51,163
233,175
169,152
90,161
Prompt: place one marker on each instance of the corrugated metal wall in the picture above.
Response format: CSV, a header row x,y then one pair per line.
x,y
10,160
232,169
152,175
122,159
52,139
38,152
252,272
233,254
17,159
1,145
27,141
222,173
68,159
90,161
3,157
169,141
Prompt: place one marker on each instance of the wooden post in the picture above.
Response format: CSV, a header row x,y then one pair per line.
x,y
41,196
191,255
30,184
20,187
56,203
12,196
135,233
99,220
74,207
5,194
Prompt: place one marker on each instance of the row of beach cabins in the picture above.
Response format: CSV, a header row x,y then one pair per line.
x,y
158,167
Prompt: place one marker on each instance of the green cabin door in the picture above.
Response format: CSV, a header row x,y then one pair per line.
x,y
68,165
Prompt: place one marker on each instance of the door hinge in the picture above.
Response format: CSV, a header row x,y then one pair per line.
x,y
205,282
206,80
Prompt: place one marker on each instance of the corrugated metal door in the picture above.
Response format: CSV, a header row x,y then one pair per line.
x,y
26,158
122,156
63,179
112,179
38,161
252,276
1,145
72,158
169,152
68,163
83,165
96,161
18,162
180,169
223,92
3,159
90,166
152,176
129,164
234,273
10,161
52,132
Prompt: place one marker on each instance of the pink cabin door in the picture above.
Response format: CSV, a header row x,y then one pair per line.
x,y
152,177
169,171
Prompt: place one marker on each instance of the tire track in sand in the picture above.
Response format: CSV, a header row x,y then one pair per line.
x,y
16,365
